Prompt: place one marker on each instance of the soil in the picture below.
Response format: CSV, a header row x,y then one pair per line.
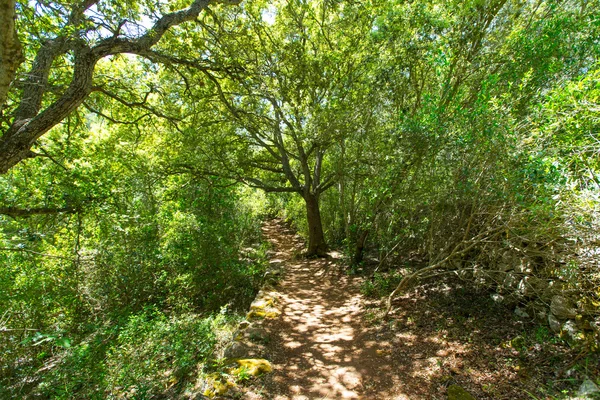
x,y
331,342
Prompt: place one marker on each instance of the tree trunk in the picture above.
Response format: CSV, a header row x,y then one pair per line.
x,y
360,247
11,54
316,239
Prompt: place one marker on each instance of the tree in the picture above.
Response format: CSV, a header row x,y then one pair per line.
x,y
62,50
298,85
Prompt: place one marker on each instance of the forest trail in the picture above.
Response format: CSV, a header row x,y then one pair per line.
x,y
330,341
319,346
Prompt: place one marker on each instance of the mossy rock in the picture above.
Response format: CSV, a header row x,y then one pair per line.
x,y
518,343
252,367
262,314
455,392
216,386
257,334
261,304
237,350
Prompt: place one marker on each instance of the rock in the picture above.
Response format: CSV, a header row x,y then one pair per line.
x,y
541,315
524,267
588,306
479,275
273,275
595,325
504,267
262,314
243,325
570,372
521,313
260,304
253,367
498,298
215,386
588,388
510,281
562,307
517,343
554,323
237,350
531,286
523,288
196,396
456,392
552,289
583,323
571,332
257,334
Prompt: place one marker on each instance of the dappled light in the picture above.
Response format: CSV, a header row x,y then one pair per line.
x,y
330,341
292,199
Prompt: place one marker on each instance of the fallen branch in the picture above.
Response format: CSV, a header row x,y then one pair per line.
x,y
409,278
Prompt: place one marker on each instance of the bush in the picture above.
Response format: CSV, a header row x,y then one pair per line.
x,y
151,354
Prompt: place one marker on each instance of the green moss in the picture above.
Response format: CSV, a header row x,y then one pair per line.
x,y
456,392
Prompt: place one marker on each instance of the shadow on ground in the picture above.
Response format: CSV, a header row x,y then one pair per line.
x,y
330,342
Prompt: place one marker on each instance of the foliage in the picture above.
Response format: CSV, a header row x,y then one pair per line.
x,y
380,285
461,136
133,238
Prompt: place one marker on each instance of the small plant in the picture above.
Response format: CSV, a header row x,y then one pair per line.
x,y
243,374
380,284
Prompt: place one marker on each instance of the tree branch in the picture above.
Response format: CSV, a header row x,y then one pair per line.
x,y
29,123
27,212
258,184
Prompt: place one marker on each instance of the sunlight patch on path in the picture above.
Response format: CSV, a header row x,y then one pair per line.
x,y
321,351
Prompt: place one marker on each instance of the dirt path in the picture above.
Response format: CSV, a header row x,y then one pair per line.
x,y
319,346
329,342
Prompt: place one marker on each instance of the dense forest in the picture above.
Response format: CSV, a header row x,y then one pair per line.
x,y
143,143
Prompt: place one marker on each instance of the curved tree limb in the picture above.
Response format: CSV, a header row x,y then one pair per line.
x,y
30,121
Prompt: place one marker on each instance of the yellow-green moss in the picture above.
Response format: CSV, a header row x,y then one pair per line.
x,y
262,314
252,367
262,303
217,386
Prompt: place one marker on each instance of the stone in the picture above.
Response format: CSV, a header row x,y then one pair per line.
x,y
237,350
531,286
583,323
553,288
498,298
253,367
257,334
588,388
517,343
510,281
571,332
216,386
541,316
456,392
521,313
554,323
260,304
262,314
243,325
562,307
504,267
588,307
595,325
524,267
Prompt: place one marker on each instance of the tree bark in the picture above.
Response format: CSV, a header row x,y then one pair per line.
x,y
360,247
11,54
30,121
316,238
